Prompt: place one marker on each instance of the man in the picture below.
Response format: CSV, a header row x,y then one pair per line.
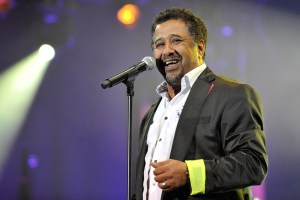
x,y
204,138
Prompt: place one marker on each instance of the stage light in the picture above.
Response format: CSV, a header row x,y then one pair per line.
x,y
32,161
128,14
227,31
46,52
5,6
18,85
50,18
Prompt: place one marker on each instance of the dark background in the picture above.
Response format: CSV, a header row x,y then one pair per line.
x,y
77,132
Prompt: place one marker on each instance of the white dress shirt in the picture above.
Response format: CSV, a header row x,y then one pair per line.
x,y
161,132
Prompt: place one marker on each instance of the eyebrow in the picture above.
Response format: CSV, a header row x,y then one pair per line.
x,y
171,36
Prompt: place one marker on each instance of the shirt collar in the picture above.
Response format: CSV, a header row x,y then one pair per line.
x,y
187,80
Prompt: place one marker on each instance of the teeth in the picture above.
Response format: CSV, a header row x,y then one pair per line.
x,y
171,62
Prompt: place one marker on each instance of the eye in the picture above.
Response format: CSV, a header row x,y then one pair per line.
x,y
159,45
176,41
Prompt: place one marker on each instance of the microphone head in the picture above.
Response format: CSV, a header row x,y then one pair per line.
x,y
150,62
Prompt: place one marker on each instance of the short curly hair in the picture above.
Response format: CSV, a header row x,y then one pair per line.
x,y
196,27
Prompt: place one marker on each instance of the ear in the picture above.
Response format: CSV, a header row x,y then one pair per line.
x,y
201,48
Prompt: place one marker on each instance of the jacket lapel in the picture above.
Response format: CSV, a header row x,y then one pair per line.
x,y
188,120
143,150
148,121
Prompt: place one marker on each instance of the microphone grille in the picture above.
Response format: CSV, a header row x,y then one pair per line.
x,y
150,62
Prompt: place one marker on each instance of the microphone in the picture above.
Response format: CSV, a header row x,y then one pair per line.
x,y
146,64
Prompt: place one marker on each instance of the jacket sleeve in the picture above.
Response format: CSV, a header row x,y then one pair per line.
x,y
244,162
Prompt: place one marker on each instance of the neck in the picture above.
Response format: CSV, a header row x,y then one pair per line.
x,y
173,90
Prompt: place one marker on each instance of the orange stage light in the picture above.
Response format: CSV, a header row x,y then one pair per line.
x,y
128,14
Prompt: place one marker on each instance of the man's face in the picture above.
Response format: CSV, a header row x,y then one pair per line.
x,y
175,52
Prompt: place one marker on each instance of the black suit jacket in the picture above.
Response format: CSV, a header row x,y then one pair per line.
x,y
221,123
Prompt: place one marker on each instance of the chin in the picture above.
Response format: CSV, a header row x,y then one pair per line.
x,y
174,80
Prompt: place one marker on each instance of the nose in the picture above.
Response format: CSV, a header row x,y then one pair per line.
x,y
168,49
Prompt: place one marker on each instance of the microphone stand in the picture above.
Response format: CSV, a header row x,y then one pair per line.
x,y
130,93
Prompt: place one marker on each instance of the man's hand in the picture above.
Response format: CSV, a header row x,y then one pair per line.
x,y
170,174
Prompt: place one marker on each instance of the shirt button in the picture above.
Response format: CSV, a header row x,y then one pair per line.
x,y
153,184
155,161
159,139
166,118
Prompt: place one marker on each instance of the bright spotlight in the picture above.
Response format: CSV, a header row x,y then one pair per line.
x,y
18,87
128,14
46,52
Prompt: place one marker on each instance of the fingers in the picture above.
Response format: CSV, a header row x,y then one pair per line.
x,y
161,172
169,174
160,167
159,164
161,177
164,186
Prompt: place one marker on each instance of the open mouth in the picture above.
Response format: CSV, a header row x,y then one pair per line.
x,y
171,62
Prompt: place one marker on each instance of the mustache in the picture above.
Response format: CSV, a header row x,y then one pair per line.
x,y
170,57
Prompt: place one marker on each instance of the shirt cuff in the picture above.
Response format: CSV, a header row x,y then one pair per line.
x,y
196,169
